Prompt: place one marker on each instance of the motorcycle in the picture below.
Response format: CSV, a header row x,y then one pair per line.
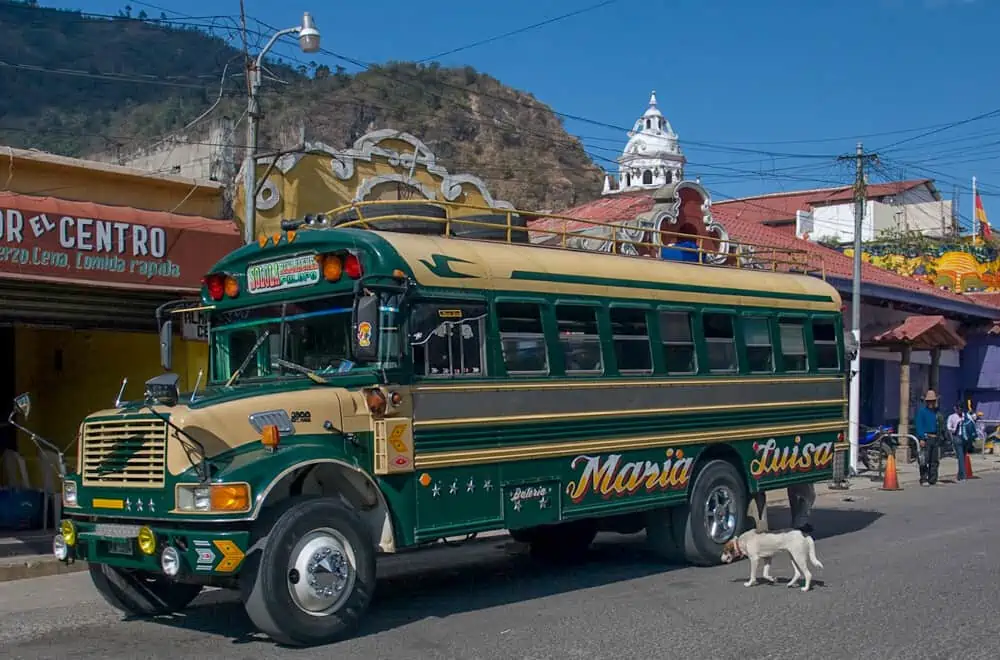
x,y
875,444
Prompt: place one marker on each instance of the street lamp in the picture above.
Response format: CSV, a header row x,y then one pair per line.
x,y
308,43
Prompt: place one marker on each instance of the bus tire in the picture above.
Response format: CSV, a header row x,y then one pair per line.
x,y
314,578
376,218
562,542
715,513
140,593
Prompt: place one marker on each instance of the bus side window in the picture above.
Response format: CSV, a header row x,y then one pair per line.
x,y
720,342
447,340
825,339
580,339
757,339
678,343
793,345
631,340
522,339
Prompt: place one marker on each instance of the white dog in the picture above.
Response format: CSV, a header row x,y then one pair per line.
x,y
757,546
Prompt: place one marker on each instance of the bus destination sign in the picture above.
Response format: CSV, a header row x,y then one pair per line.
x,y
289,273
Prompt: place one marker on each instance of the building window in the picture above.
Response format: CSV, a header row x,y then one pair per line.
x,y
522,339
448,340
628,179
631,340
678,343
720,342
825,340
757,338
579,338
647,177
793,345
670,177
648,124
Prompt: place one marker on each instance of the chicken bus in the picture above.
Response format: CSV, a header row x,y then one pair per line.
x,y
373,388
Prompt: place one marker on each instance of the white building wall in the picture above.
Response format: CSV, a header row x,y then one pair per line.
x,y
837,221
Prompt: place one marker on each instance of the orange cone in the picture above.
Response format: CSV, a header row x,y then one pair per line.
x,y
968,467
890,481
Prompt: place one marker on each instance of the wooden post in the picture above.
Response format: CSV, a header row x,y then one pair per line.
x,y
904,398
935,373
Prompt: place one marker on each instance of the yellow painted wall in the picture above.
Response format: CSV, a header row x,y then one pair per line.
x,y
93,365
72,179
310,186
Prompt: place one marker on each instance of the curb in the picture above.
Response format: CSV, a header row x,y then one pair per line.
x,y
23,568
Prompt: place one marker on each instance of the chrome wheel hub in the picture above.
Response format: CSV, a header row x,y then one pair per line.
x,y
720,514
322,569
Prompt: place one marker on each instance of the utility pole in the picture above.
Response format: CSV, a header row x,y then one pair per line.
x,y
854,400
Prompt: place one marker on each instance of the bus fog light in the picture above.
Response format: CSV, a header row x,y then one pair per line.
x,y
147,540
59,547
170,561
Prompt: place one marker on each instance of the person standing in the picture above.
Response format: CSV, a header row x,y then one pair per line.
x,y
957,434
929,429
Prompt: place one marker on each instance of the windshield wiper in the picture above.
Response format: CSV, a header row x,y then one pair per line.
x,y
313,376
253,351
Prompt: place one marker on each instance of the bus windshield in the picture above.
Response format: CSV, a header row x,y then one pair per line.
x,y
285,340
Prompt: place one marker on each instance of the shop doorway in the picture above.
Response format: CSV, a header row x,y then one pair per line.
x,y
8,387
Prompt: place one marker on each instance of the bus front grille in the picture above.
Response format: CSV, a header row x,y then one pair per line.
x,y
124,453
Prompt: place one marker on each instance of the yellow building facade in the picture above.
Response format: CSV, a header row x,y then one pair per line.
x,y
381,165
87,252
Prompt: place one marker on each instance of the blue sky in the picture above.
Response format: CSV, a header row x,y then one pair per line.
x,y
747,85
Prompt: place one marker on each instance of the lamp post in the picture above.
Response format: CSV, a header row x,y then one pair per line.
x,y
308,43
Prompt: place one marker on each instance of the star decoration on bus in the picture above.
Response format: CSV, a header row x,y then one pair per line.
x,y
471,486
436,491
488,485
454,487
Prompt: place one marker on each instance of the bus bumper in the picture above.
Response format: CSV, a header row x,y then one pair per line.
x,y
166,550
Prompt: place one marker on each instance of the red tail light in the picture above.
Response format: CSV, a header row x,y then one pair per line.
x,y
216,285
352,266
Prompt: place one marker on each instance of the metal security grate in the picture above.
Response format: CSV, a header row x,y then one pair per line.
x,y
124,452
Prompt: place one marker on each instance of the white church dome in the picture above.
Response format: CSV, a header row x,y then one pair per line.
x,y
652,157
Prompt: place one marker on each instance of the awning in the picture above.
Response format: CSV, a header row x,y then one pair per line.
x,y
921,333
47,239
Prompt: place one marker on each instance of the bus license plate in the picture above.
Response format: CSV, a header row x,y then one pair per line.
x,y
120,546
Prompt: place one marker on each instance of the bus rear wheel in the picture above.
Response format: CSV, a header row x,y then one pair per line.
x,y
314,577
139,593
715,513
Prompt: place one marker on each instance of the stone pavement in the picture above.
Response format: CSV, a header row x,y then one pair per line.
x,y
40,565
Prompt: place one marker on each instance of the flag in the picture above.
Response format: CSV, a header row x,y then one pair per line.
x,y
984,224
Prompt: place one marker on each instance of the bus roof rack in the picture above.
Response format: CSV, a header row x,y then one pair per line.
x,y
624,238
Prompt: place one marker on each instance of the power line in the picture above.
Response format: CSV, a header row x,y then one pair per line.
x,y
520,30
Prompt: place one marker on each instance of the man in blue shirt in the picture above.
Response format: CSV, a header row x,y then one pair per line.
x,y
929,433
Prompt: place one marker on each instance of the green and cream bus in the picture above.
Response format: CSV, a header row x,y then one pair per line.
x,y
373,389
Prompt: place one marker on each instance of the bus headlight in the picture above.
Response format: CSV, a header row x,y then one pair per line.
x,y
68,531
221,498
170,561
69,493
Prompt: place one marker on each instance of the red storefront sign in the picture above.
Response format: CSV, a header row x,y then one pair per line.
x,y
51,238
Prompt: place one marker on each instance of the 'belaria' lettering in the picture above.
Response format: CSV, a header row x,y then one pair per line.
x,y
772,461
610,477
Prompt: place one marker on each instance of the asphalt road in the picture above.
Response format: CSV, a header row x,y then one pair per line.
x,y
907,575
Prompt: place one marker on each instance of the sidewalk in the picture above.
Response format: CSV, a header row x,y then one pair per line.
x,y
908,474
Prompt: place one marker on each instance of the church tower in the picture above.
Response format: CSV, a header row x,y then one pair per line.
x,y
652,157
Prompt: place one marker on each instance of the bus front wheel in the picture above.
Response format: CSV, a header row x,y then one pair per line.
x,y
714,514
314,577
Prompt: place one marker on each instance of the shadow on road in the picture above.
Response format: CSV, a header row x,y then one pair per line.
x,y
827,522
437,584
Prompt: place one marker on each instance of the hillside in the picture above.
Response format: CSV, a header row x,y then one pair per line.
x,y
88,84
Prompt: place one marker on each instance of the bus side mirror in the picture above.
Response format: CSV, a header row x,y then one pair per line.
x,y
167,344
365,328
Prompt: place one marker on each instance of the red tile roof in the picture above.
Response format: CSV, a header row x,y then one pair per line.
x,y
782,206
921,333
622,208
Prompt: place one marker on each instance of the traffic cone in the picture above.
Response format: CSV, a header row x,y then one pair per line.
x,y
968,467
890,481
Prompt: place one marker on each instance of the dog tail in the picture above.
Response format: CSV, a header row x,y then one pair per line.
x,y
812,552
